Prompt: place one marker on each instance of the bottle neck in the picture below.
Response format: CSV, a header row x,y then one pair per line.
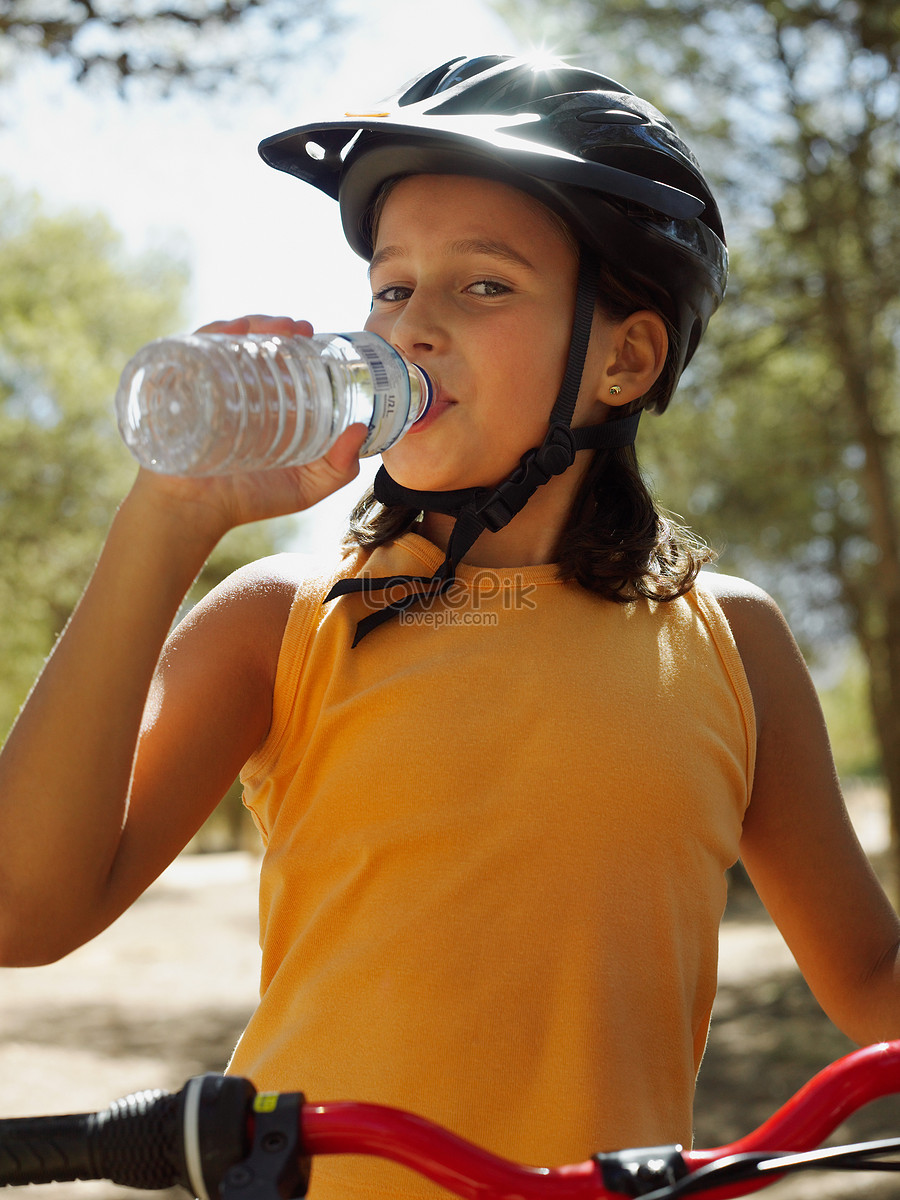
x,y
421,391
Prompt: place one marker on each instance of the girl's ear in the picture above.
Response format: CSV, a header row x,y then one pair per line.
x,y
641,344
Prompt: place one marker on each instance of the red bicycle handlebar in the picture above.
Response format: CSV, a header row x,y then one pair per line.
x,y
811,1114
801,1124
455,1164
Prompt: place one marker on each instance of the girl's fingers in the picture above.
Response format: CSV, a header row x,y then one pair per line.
x,y
260,323
344,454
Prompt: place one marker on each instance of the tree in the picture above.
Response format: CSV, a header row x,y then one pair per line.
x,y
784,441
73,308
179,41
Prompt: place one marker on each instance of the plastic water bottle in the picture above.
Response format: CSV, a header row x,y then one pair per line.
x,y
216,404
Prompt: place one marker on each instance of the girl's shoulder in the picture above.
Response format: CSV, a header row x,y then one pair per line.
x,y
731,589
244,617
274,581
291,568
750,611
769,653
260,590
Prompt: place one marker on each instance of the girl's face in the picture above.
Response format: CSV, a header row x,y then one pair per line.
x,y
474,281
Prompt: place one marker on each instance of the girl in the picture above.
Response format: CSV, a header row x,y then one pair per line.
x,y
503,749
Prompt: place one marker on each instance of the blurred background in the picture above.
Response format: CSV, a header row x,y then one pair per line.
x,y
133,204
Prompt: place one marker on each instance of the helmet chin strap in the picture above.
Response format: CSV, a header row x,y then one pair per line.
x,y
478,509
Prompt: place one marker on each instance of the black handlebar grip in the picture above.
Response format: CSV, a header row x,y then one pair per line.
x,y
139,1141
44,1149
136,1142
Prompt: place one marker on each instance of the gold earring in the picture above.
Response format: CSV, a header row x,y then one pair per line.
x,y
615,390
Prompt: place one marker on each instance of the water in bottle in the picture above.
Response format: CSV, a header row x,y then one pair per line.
x,y
216,404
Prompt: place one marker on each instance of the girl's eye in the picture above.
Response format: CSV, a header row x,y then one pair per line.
x,y
488,287
397,293
392,294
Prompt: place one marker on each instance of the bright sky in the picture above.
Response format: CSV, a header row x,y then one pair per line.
x,y
185,172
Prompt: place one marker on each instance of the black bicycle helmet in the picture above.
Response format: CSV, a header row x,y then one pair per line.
x,y
607,161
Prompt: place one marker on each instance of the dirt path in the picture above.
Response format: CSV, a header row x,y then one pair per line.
x,y
164,993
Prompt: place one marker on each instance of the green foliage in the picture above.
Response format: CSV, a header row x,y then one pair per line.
x,y
759,451
73,309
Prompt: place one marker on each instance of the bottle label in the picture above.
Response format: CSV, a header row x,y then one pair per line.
x,y
391,399
376,366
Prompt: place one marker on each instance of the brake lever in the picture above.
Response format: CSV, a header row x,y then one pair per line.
x,y
277,1165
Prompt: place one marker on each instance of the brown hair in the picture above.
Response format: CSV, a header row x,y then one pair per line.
x,y
617,542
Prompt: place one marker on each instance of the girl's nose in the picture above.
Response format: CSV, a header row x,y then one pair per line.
x,y
418,329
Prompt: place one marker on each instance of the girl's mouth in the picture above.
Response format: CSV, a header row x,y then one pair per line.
x,y
438,406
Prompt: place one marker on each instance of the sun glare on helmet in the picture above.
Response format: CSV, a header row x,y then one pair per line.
x,y
542,58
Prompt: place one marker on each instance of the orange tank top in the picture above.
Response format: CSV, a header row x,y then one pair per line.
x,y
496,834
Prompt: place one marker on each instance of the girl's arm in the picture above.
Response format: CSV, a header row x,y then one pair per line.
x,y
798,845
87,817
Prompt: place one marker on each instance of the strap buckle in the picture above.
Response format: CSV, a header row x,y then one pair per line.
x,y
554,456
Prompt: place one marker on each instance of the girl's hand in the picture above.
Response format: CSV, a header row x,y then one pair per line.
x,y
258,323
211,505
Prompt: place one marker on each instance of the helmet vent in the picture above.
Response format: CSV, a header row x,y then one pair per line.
x,y
315,151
